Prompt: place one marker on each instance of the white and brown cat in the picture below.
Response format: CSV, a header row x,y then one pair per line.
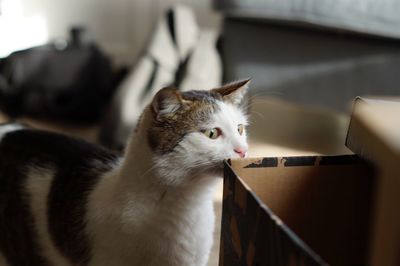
x,y
67,202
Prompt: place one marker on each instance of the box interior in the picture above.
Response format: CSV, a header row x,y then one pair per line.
x,y
329,207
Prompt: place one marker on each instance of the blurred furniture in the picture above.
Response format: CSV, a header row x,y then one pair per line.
x,y
68,81
312,52
179,54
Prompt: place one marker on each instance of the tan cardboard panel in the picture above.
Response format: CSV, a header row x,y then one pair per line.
x,y
374,130
374,134
328,206
281,128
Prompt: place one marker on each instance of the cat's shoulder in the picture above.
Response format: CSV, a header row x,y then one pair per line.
x,y
16,137
9,127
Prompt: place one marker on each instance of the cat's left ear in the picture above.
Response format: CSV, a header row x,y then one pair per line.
x,y
234,92
166,101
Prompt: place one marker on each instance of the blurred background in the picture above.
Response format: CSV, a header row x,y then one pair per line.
x,y
121,27
87,68
91,66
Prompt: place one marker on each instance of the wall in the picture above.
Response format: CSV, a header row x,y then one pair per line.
x,y
121,27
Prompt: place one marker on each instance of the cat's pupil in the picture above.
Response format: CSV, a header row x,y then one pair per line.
x,y
213,133
240,129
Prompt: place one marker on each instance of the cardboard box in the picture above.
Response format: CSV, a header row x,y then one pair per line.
x,y
374,133
310,210
297,211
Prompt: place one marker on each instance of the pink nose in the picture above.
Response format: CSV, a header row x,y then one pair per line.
x,y
241,152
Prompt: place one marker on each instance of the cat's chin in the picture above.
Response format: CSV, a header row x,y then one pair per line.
x,y
217,170
219,173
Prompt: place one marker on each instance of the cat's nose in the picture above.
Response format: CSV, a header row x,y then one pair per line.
x,y
242,152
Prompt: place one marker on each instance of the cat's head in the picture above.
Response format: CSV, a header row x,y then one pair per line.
x,y
195,131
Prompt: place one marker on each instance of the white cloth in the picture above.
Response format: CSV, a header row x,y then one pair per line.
x,y
158,66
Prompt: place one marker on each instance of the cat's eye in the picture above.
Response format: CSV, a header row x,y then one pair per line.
x,y
240,129
212,133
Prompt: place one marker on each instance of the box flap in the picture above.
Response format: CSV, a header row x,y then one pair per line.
x,y
374,129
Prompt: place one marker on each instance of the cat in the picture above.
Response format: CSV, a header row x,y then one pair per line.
x,y
67,202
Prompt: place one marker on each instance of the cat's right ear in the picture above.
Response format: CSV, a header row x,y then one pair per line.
x,y
166,101
235,92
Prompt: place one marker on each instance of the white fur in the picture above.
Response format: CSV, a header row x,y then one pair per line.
x,y
37,187
5,129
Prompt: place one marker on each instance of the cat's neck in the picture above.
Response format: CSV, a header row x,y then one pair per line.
x,y
138,162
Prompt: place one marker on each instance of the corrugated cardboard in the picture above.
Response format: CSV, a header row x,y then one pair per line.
x,y
374,133
297,211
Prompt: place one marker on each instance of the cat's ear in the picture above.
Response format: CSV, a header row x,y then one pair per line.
x,y
166,101
234,92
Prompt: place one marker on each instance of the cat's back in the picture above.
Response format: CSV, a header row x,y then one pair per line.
x,y
44,182
27,145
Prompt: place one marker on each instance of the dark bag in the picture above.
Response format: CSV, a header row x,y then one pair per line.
x,y
72,84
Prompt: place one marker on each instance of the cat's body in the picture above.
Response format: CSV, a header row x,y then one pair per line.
x,y
66,202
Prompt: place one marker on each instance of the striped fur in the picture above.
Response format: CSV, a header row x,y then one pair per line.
x,y
66,202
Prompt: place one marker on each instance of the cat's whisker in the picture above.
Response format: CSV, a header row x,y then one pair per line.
x,y
258,113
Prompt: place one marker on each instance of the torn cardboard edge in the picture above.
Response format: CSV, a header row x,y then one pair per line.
x,y
288,161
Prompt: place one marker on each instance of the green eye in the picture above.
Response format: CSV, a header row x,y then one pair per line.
x,y
240,129
212,133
